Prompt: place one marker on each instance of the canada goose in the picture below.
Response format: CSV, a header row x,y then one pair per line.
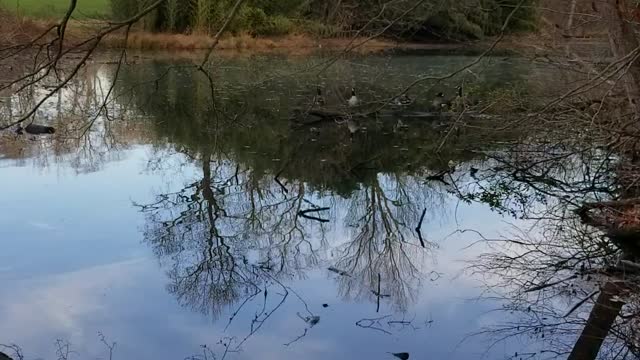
x,y
353,127
353,100
443,103
399,126
402,100
439,102
319,98
34,129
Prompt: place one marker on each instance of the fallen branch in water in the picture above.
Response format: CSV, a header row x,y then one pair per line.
x,y
369,324
298,338
304,214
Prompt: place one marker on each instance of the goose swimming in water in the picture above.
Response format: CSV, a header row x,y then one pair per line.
x,y
402,100
353,127
443,103
439,102
353,100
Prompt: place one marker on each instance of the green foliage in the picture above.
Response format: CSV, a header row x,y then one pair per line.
x,y
276,25
455,19
57,8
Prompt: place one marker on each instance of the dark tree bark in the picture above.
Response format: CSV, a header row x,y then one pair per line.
x,y
623,41
602,317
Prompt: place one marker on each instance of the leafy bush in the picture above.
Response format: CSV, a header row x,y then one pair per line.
x,y
276,25
456,19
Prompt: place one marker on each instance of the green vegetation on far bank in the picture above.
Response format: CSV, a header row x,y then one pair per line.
x,y
406,19
56,8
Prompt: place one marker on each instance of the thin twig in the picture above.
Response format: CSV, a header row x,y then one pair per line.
x,y
419,227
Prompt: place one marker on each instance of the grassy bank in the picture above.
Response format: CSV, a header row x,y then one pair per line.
x,y
47,9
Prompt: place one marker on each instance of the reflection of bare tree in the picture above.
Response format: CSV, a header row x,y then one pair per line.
x,y
572,286
383,247
562,286
223,233
73,145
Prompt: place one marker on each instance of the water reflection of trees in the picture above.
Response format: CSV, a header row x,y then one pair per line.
x,y
220,234
263,173
382,216
573,285
86,139
224,231
235,231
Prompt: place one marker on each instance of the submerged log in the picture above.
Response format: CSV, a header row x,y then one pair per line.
x,y
314,116
35,129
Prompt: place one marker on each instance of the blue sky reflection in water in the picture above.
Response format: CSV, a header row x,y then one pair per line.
x,y
88,271
95,251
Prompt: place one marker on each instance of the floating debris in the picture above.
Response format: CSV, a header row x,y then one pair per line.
x,y
325,305
311,320
401,355
377,294
338,271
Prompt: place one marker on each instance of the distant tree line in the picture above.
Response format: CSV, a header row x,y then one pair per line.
x,y
405,19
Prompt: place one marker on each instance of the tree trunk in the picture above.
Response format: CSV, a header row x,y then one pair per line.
x,y
572,12
602,317
623,41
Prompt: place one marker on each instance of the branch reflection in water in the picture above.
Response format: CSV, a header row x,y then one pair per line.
x,y
573,286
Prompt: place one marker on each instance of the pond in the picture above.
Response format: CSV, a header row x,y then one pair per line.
x,y
194,219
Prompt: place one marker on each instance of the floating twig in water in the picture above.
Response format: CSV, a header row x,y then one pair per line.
x,y
369,324
338,271
424,212
378,324
378,294
304,214
314,210
298,338
311,320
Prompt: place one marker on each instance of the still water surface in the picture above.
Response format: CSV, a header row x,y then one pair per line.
x,y
177,224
